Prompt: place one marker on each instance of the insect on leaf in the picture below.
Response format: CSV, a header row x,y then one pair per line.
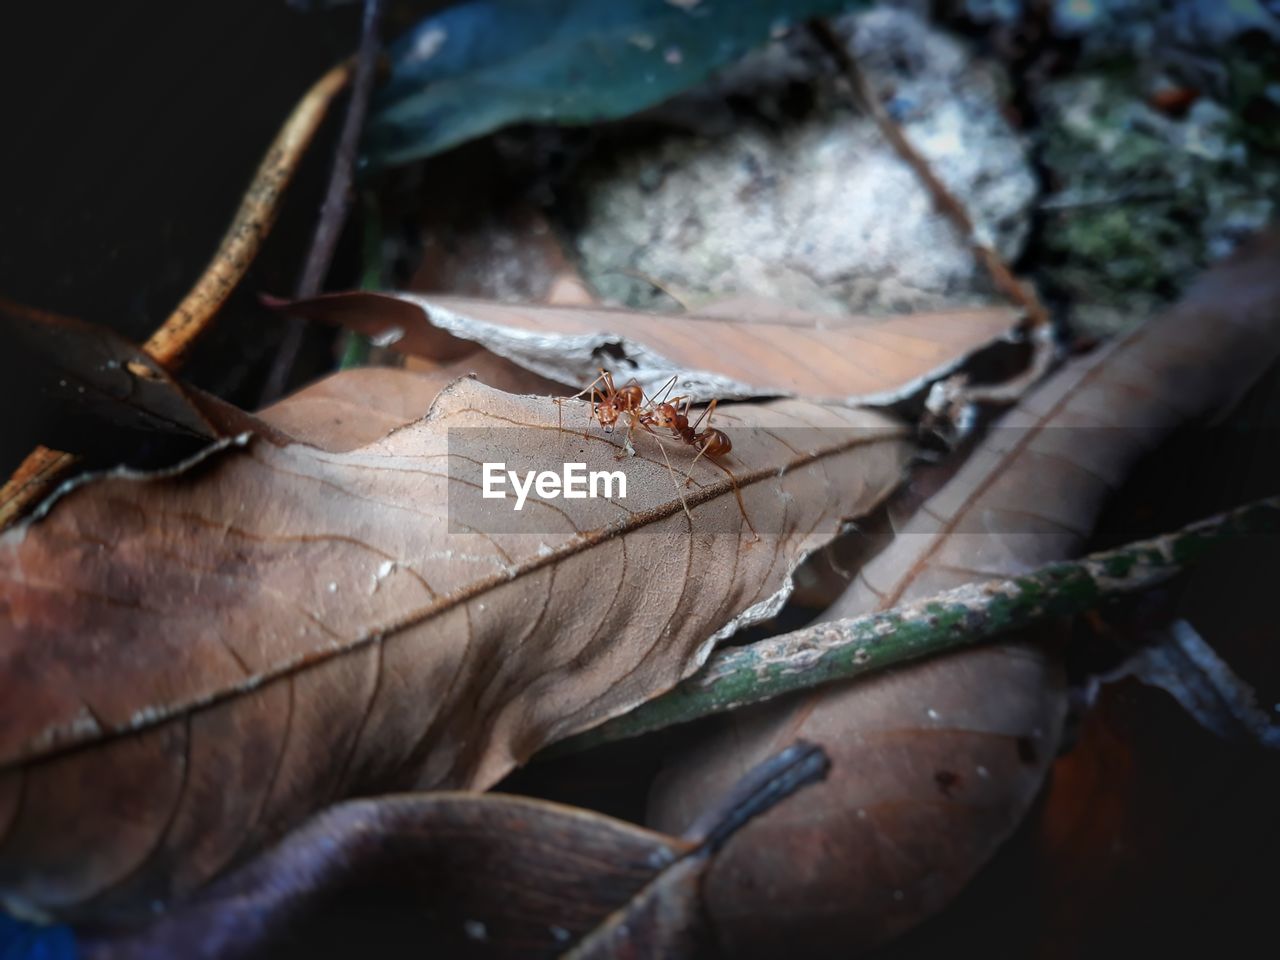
x,y
193,663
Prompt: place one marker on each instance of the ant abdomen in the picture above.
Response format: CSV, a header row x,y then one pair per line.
x,y
714,443
630,397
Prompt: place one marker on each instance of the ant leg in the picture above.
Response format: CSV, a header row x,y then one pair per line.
x,y
742,507
593,414
679,493
666,388
589,387
705,415
688,474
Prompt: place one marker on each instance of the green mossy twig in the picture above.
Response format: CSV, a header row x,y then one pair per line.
x,y
843,649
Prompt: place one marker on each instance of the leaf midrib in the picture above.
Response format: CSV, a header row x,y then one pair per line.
x,y
148,717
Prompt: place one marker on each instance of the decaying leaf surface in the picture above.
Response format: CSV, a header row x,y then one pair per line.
x,y
825,359
473,875
350,408
934,764
194,664
84,391
665,919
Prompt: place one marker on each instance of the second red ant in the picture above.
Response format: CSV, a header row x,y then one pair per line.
x,y
710,442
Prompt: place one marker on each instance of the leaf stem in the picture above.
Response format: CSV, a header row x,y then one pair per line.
x,y
844,649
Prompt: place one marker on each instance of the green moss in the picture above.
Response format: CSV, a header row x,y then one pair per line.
x,y
1143,200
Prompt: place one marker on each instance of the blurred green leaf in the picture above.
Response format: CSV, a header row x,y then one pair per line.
x,y
481,65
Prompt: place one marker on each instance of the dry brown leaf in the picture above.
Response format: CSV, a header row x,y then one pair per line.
x,y
191,664
473,875
350,408
935,763
53,359
826,359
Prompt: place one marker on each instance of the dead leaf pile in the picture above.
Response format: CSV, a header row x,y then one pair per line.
x,y
935,763
198,661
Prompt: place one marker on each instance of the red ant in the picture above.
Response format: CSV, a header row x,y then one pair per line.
x,y
609,402
613,402
712,443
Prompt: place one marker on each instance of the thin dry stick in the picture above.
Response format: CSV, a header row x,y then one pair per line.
x,y
253,221
337,201
35,477
950,206
43,468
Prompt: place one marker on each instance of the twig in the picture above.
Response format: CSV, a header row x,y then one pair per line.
x,y
34,480
337,200
45,467
951,207
662,918
253,221
761,788
843,649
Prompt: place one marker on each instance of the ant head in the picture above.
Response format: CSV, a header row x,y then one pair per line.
x,y
664,415
607,413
